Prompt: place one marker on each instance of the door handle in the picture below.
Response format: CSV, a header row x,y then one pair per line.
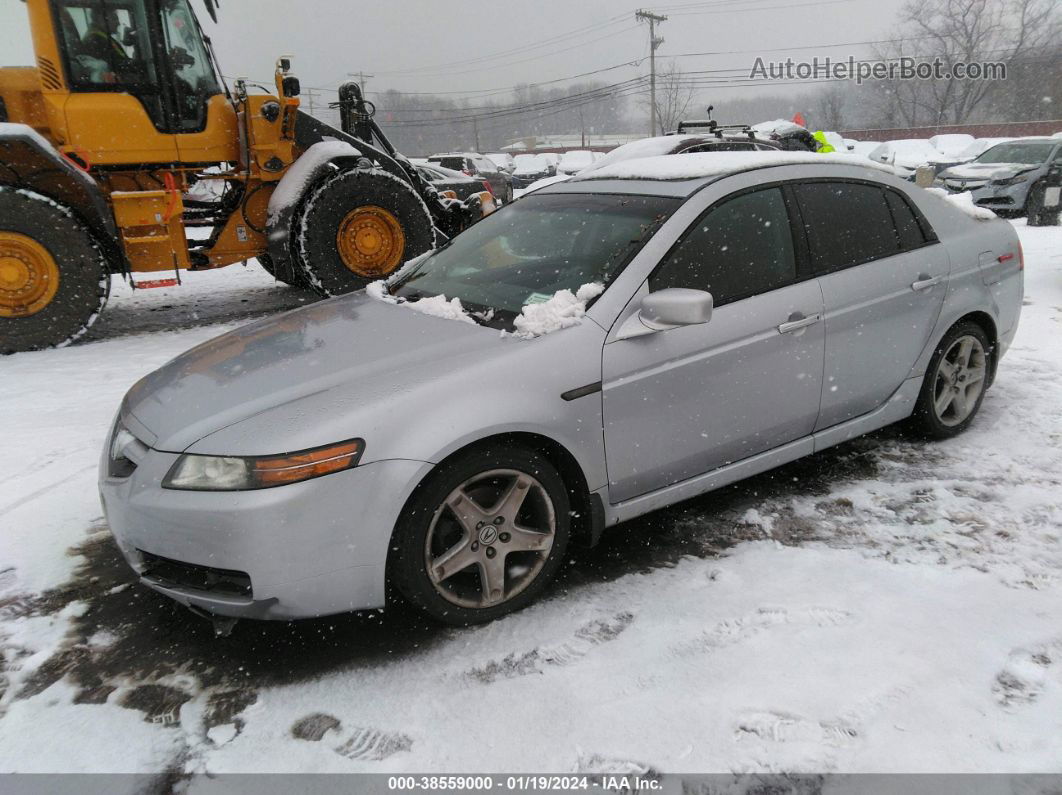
x,y
799,323
925,282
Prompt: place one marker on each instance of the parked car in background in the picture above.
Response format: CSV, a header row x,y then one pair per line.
x,y
904,155
461,184
531,168
862,148
503,160
574,161
1008,178
951,144
553,158
965,155
719,342
473,164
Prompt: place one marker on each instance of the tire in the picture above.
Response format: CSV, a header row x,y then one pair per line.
x,y
54,280
293,278
1035,212
353,206
937,417
485,541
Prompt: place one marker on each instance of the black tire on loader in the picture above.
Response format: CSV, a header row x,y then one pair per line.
x,y
54,280
360,226
290,275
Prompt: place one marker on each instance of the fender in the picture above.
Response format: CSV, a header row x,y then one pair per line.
x,y
28,160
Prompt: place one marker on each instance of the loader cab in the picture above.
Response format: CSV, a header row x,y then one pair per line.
x,y
140,78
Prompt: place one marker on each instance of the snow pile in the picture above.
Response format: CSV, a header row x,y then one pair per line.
x,y
564,309
964,202
718,164
776,127
436,305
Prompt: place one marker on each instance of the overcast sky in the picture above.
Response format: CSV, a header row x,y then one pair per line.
x,y
411,45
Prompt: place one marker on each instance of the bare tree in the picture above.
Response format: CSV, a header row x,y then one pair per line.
x,y
961,31
829,111
674,95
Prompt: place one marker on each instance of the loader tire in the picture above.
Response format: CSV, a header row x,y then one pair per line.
x,y
54,280
289,274
360,226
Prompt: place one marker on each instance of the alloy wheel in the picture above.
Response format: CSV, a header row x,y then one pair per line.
x,y
490,538
959,380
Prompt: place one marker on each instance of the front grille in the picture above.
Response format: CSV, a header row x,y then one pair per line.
x,y
958,186
224,582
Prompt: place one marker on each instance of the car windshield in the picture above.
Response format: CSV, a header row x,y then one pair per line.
x,y
537,246
1017,153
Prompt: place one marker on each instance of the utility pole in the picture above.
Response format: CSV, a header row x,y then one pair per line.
x,y
311,95
362,77
475,133
654,42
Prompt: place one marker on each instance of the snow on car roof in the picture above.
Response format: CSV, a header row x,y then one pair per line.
x,y
717,164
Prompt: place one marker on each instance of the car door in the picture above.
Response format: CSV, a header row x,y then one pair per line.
x,y
883,277
684,401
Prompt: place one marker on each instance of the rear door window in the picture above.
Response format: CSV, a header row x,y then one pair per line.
x,y
847,223
740,247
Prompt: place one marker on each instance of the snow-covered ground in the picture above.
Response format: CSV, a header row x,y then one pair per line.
x,y
887,605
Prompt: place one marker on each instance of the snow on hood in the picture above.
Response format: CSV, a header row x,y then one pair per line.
x,y
717,164
564,309
985,170
964,202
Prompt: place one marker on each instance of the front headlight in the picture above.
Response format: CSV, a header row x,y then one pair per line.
x,y
1006,178
241,473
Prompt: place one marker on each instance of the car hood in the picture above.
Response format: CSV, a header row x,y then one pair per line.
x,y
352,350
983,170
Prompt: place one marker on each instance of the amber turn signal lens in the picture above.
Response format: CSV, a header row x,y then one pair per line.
x,y
281,469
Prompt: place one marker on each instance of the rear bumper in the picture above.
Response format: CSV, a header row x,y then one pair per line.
x,y
301,550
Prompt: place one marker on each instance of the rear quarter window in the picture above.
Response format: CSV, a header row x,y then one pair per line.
x,y
909,228
847,223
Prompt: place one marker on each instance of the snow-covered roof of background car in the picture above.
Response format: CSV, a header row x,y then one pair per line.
x,y
700,165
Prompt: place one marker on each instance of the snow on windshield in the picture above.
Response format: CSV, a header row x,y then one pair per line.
x,y
564,309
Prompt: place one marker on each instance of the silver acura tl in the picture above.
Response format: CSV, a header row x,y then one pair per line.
x,y
755,308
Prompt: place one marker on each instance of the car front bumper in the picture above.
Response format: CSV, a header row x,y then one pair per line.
x,y
306,549
998,197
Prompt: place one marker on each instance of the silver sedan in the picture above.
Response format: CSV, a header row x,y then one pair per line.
x,y
600,349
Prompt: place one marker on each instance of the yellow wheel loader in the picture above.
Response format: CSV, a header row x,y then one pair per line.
x,y
122,151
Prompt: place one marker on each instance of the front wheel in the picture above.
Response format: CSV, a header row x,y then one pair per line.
x,y
955,382
359,226
483,536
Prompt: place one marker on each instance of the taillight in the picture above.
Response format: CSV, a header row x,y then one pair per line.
x,y
487,187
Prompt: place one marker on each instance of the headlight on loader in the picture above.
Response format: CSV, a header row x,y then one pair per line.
x,y
231,473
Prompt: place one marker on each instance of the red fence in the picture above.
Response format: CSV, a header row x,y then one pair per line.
x,y
1014,129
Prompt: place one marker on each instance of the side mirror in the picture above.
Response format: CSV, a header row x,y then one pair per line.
x,y
666,309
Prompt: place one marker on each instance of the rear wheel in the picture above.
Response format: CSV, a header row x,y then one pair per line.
x,y
54,280
483,536
360,226
955,382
